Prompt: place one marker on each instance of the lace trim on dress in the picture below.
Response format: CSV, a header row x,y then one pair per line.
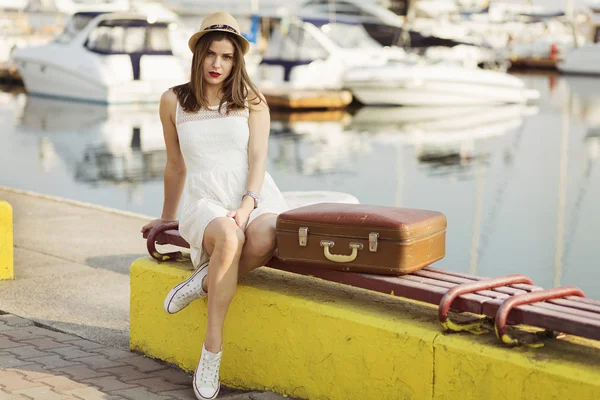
x,y
209,114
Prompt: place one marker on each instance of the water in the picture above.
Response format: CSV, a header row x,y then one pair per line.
x,y
519,185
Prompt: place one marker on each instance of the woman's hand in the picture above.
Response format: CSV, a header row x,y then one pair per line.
x,y
241,216
153,223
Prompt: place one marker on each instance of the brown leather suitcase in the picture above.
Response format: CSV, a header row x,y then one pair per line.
x,y
361,238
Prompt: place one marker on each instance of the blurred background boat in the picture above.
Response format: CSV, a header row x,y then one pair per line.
x,y
113,58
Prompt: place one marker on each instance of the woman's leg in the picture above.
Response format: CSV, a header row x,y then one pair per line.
x,y
260,243
224,241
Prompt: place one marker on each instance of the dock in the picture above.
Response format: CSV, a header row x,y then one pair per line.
x,y
546,63
306,98
9,74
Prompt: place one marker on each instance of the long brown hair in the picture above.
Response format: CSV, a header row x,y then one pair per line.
x,y
236,87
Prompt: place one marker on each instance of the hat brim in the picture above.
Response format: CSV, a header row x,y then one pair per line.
x,y
196,36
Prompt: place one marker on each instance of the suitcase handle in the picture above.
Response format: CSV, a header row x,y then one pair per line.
x,y
340,258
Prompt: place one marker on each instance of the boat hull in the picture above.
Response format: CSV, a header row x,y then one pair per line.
x,y
584,60
438,94
421,85
47,79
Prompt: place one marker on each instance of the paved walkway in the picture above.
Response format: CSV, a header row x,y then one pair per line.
x,y
40,363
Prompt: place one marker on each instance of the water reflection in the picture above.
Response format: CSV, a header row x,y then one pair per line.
x,y
98,143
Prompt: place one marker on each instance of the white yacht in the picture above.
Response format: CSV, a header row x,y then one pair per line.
x,y
583,60
113,58
419,84
319,54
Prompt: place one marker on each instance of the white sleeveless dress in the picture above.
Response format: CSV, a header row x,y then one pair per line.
x,y
214,146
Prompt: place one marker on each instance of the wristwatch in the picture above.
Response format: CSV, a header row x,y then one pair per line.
x,y
254,197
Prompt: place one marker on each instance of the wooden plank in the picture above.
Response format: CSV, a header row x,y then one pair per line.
x,y
396,286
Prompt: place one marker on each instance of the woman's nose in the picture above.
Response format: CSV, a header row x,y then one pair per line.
x,y
217,62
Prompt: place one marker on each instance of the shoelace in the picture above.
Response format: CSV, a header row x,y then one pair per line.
x,y
210,370
188,293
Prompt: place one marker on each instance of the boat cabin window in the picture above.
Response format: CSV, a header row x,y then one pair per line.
x,y
75,24
349,36
295,45
129,36
338,7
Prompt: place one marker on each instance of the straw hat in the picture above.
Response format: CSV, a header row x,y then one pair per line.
x,y
219,21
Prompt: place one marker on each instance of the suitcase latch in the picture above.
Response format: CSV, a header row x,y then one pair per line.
x,y
373,241
302,236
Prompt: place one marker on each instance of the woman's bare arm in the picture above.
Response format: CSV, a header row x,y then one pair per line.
x,y
260,125
175,168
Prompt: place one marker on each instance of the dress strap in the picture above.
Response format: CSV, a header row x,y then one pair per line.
x,y
177,107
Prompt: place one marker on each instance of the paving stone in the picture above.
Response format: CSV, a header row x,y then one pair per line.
x,y
28,351
6,343
156,384
44,393
86,344
10,396
5,327
21,334
12,361
188,394
174,375
140,393
242,396
34,371
126,373
266,396
13,381
143,364
44,344
61,383
71,352
114,354
97,362
80,371
108,383
13,320
56,336
92,393
52,362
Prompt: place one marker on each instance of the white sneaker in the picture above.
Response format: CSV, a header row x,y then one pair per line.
x,y
187,291
206,378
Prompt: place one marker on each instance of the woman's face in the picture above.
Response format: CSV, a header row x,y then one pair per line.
x,y
218,62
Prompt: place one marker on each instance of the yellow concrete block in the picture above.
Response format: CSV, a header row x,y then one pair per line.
x,y
293,335
307,338
6,241
469,367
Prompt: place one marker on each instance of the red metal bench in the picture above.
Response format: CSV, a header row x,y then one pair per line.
x,y
506,300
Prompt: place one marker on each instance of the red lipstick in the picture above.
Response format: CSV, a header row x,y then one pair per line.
x,y
214,74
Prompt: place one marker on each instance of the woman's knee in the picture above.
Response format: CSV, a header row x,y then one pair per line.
x,y
225,235
232,238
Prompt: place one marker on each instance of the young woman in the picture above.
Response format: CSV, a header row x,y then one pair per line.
x,y
216,130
